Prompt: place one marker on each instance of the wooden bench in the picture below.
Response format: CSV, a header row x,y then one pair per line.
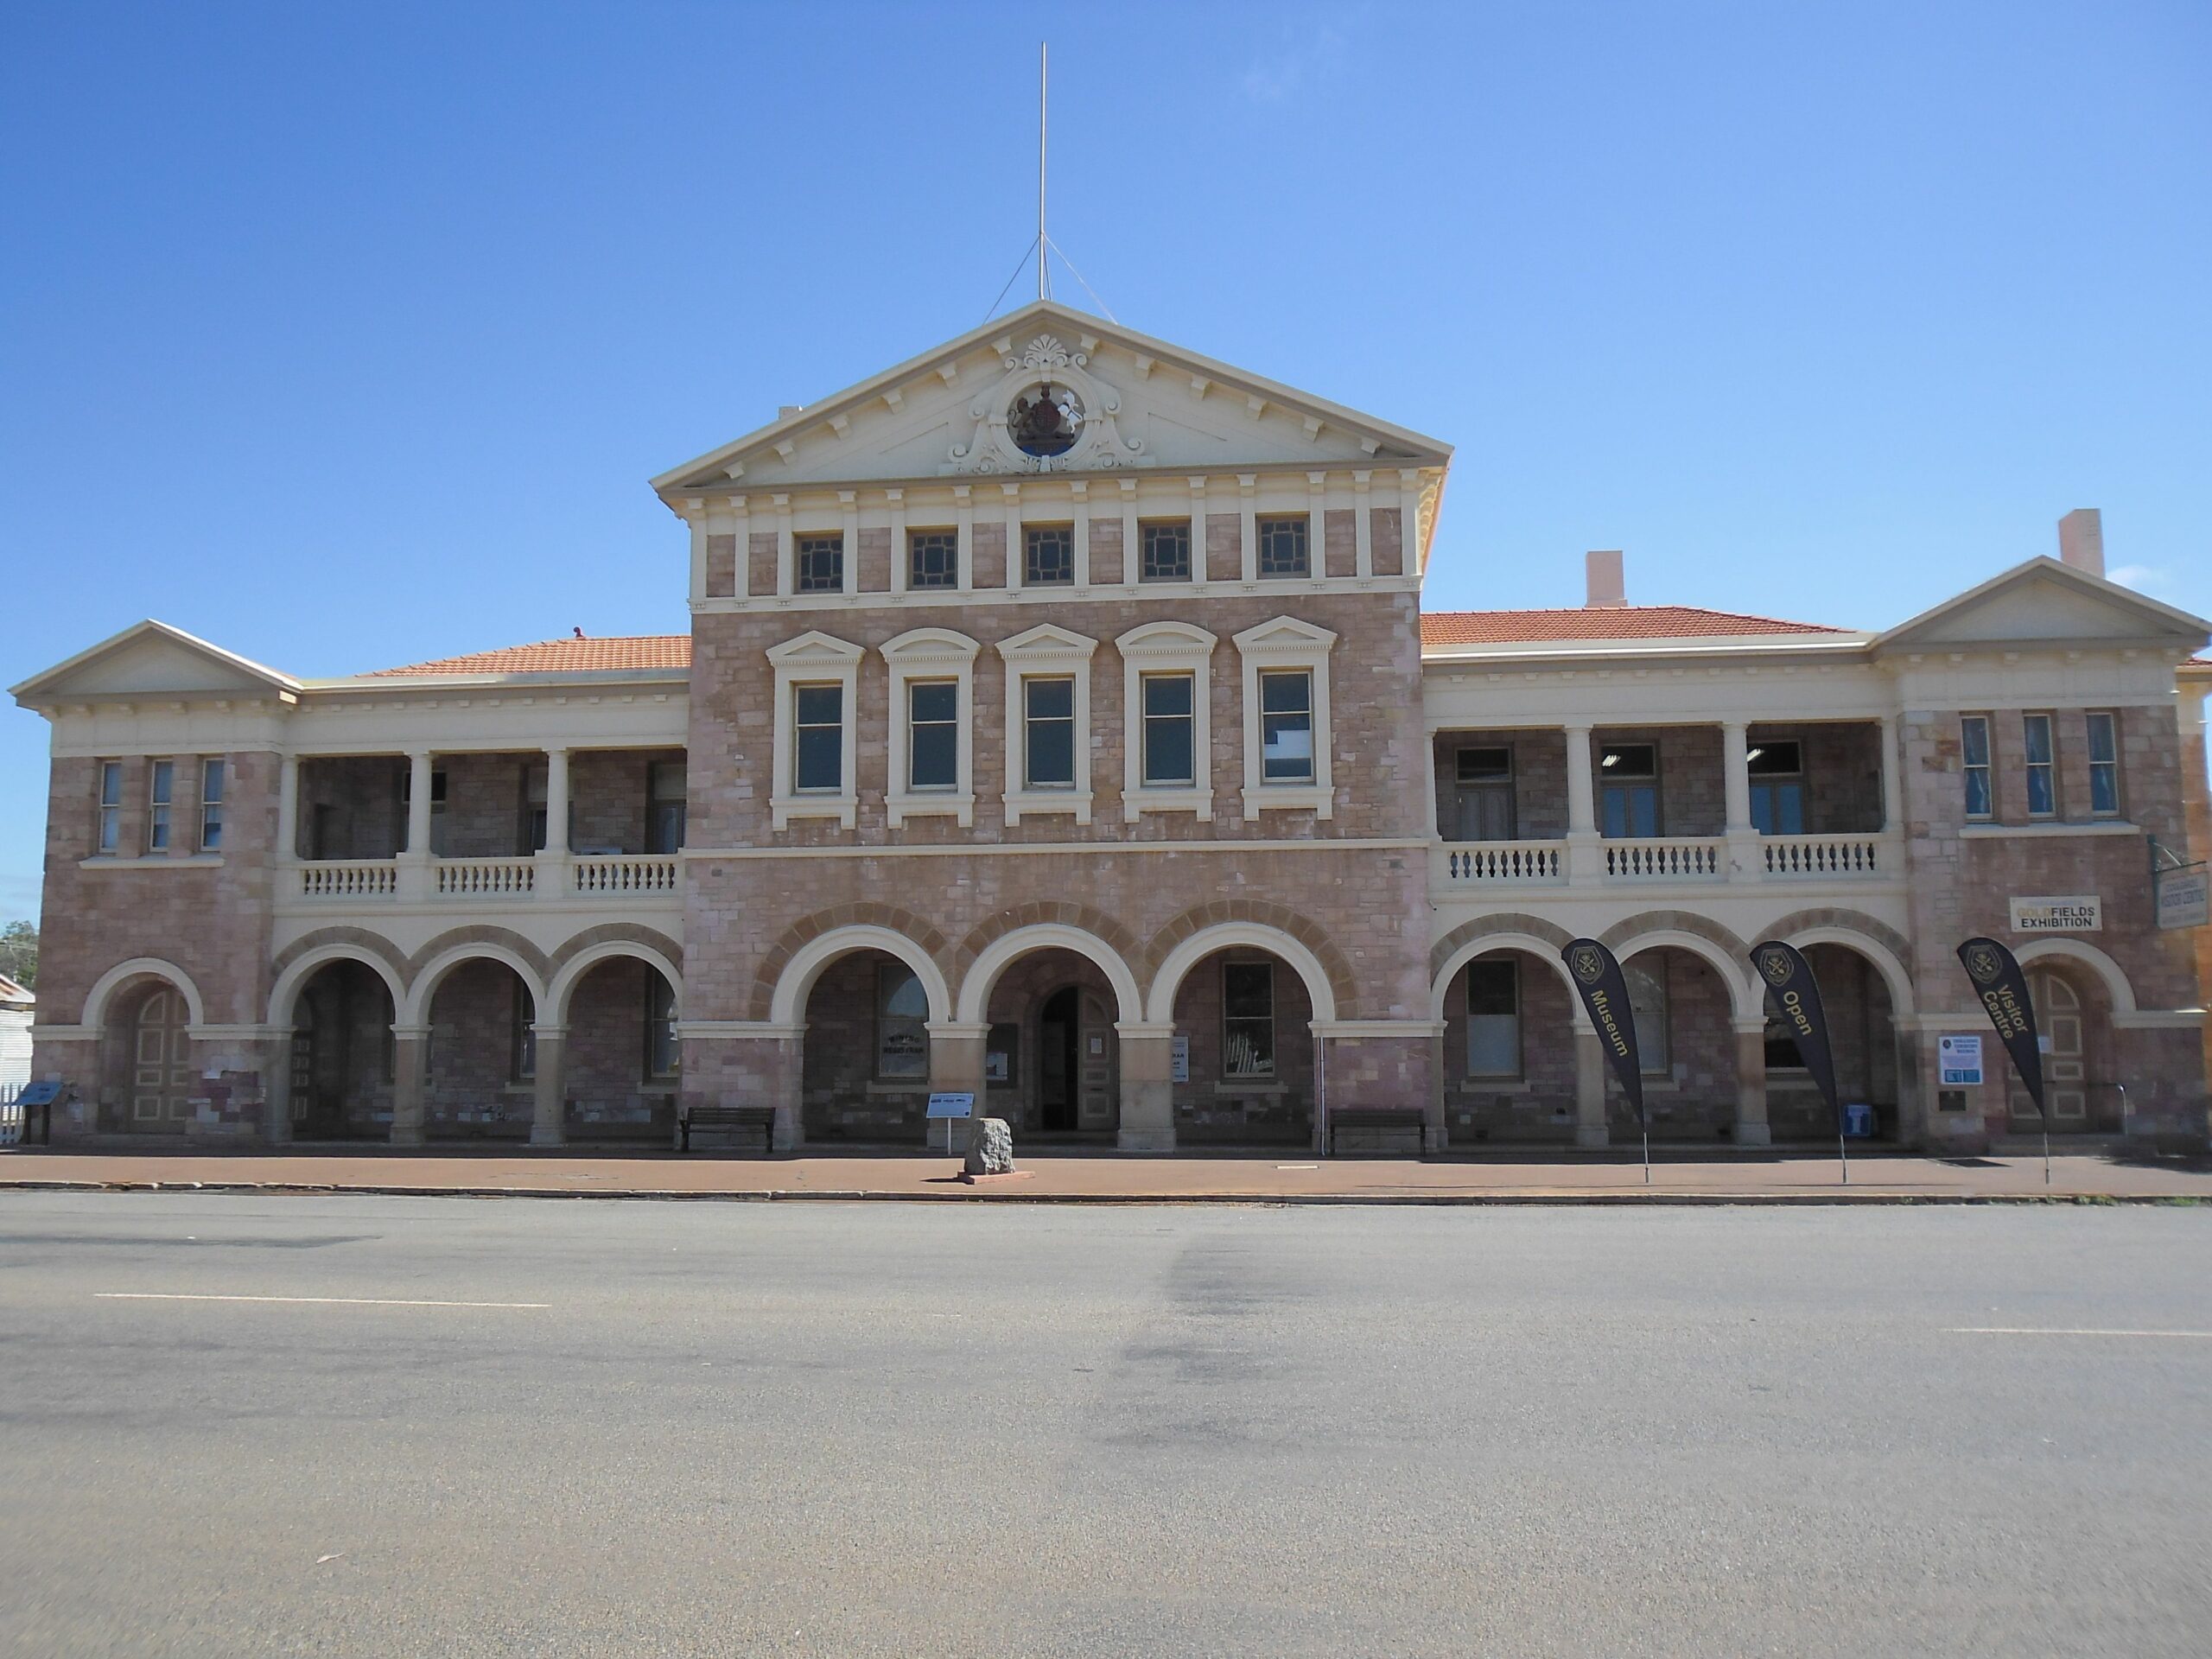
x,y
741,1118
1386,1131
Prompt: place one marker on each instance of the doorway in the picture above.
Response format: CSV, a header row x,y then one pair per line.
x,y
1058,1065
2065,1070
161,1073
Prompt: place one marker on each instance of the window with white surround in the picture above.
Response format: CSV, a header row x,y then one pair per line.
x,y
1048,555
1167,743
819,565
211,777
932,559
161,780
1166,545
110,809
2104,764
1973,749
1287,728
931,756
813,733
2040,764
1047,723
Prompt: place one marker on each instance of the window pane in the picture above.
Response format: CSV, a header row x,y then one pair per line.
x,y
1770,760
1287,726
1493,1046
1978,792
1248,1019
1167,552
1247,989
1167,694
1286,693
2037,733
1168,747
1493,986
1050,699
2103,740
1049,556
164,774
112,784
819,705
1974,733
821,757
1485,766
1282,547
1647,997
211,783
1628,760
820,564
1778,808
933,558
933,758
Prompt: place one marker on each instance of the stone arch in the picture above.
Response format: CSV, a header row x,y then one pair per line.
x,y
448,951
775,962
301,960
1335,986
988,964
1703,938
2118,989
1081,918
605,943
1852,932
105,988
787,1004
1495,939
1167,979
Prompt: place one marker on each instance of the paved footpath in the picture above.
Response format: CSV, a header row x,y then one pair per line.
x,y
1284,1177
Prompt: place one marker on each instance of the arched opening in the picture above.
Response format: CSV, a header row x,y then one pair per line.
x,y
342,1053
1862,1039
148,1078
622,1064
1245,1071
1685,1029
1509,1051
1052,1057
865,1069
481,1063
2073,1017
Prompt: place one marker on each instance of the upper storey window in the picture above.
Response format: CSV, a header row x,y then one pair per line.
x,y
1974,748
1045,420
2104,764
820,564
111,842
2041,766
1283,546
933,558
1048,556
1167,550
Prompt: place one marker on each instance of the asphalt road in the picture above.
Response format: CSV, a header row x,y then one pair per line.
x,y
862,1429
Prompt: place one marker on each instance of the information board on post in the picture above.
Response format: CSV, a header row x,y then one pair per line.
x,y
951,1104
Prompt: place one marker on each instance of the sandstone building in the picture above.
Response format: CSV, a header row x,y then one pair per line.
x,y
1059,721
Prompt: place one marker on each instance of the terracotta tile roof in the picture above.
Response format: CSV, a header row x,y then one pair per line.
x,y
564,656
1610,622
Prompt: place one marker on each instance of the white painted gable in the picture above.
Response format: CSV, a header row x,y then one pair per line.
x,y
1143,405
153,659
2045,602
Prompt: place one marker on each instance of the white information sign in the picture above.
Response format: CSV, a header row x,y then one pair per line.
x,y
2074,913
1958,1062
1179,1066
2185,897
962,1104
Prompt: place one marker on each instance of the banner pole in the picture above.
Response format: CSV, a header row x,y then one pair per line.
x,y
1642,1124
2046,1148
1843,1149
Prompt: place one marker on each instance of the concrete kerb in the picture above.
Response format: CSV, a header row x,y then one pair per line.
x,y
1532,1199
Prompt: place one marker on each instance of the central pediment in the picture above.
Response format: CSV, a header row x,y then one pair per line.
x,y
1051,390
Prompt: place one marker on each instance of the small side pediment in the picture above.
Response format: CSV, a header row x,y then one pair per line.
x,y
2045,603
1284,633
153,659
1046,641
816,648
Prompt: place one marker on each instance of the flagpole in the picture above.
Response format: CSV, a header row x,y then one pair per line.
x,y
1043,280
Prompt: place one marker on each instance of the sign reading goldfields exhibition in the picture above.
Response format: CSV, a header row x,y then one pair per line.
x,y
2076,912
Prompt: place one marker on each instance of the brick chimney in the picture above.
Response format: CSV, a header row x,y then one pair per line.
x,y
2081,541
1607,591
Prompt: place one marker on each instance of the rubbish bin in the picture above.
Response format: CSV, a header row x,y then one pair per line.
x,y
1858,1121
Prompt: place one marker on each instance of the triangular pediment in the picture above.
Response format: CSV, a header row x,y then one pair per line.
x,y
152,659
2045,603
815,647
1284,633
1142,404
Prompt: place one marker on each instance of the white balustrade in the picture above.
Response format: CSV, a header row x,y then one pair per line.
x,y
1821,857
485,878
1521,863
331,879
1702,858
628,873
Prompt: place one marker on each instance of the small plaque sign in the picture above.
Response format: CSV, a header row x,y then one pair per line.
x,y
2185,897
1958,1060
959,1104
2077,912
1179,1065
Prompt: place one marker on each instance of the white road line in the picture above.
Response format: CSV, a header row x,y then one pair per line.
x,y
2040,1331
336,1301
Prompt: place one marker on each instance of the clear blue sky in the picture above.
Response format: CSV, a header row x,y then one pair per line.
x,y
348,336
